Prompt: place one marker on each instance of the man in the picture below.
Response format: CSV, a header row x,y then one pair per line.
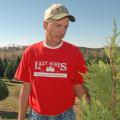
x,y
51,71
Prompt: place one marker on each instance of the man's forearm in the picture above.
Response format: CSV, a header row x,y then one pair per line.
x,y
81,91
23,102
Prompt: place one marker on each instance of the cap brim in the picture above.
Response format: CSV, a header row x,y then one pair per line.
x,y
60,16
71,18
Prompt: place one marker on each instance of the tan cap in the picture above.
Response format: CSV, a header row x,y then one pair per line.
x,y
57,11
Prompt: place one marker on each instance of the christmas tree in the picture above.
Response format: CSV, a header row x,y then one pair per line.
x,y
103,83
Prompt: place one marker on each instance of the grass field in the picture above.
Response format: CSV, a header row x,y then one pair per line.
x,y
9,106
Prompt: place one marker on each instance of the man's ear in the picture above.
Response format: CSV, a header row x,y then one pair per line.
x,y
45,24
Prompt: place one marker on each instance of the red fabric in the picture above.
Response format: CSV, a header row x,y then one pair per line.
x,y
52,74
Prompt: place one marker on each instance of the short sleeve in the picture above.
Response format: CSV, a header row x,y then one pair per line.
x,y
23,71
80,68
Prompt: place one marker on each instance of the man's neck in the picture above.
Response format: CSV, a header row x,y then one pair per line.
x,y
52,46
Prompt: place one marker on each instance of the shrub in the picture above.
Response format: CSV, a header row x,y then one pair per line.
x,y
3,90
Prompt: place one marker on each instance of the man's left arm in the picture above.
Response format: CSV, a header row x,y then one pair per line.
x,y
80,91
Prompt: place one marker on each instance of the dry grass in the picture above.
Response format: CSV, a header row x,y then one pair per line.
x,y
9,106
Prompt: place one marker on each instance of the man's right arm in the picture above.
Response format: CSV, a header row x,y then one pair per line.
x,y
23,100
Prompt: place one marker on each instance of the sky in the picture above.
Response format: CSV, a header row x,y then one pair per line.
x,y
21,21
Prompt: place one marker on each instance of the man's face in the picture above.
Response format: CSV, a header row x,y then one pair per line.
x,y
56,30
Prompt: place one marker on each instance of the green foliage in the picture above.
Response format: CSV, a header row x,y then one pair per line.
x,y
2,69
3,90
96,111
99,83
11,68
91,59
103,82
5,63
105,59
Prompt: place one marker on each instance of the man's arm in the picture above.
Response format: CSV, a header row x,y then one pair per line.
x,y
23,100
80,91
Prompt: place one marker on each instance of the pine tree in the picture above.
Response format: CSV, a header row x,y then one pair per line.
x,y
5,63
103,82
3,90
2,69
113,53
11,68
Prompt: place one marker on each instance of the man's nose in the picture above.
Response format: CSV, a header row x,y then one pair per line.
x,y
63,30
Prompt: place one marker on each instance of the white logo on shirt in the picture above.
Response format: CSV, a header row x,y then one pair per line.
x,y
50,69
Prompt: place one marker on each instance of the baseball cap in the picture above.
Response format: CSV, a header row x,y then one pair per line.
x,y
56,12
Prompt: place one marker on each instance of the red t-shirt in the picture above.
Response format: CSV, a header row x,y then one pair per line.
x,y
52,74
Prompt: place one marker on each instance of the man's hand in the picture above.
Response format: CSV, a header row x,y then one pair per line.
x,y
80,91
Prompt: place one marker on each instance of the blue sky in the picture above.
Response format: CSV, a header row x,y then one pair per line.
x,y
21,21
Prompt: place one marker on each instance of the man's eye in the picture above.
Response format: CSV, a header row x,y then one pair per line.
x,y
58,25
66,27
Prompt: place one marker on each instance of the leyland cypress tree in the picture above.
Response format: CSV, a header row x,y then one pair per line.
x,y
2,69
103,82
11,68
3,90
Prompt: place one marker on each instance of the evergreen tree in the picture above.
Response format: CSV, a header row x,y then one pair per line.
x,y
113,53
3,90
11,68
105,59
2,70
9,72
5,62
16,63
103,82
90,59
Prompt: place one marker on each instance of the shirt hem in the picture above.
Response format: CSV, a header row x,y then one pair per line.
x,y
52,115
